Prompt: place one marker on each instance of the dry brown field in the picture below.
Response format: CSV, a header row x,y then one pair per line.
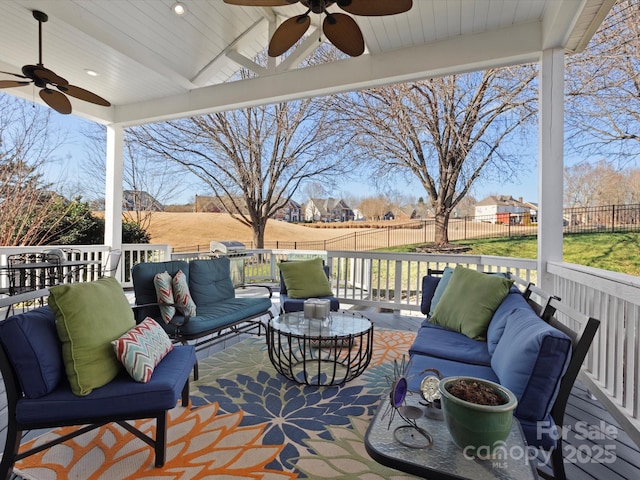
x,y
184,230
190,229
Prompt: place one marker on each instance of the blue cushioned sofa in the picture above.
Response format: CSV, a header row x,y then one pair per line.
x,y
526,350
218,310
39,394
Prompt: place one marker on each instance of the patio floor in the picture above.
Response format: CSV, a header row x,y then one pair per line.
x,y
595,446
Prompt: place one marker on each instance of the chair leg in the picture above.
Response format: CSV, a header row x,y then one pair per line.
x,y
161,439
185,394
10,451
557,462
195,371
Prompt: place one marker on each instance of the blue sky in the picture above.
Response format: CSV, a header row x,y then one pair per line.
x,y
72,154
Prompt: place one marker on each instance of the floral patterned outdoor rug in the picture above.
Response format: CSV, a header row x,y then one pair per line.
x,y
245,422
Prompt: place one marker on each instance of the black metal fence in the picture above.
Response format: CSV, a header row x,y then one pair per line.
x,y
610,218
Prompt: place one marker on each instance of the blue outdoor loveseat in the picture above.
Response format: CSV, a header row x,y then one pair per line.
x,y
219,312
523,347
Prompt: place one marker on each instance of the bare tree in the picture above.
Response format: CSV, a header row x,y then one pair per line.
x,y
446,131
603,88
146,176
30,211
597,184
254,159
375,208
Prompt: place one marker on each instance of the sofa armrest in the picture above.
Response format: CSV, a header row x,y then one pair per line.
x,y
246,285
138,308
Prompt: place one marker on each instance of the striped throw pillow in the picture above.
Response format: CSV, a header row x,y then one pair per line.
x,y
181,294
142,348
164,291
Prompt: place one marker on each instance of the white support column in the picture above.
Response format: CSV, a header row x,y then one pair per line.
x,y
550,162
113,188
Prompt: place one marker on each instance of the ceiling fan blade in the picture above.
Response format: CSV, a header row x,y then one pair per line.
x,y
56,100
12,83
374,8
50,76
287,34
344,33
14,74
260,3
83,94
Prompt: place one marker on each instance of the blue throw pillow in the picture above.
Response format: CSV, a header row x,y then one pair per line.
x,y
442,285
429,285
33,347
530,360
511,302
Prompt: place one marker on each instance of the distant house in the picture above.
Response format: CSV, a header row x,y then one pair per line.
x,y
327,210
291,212
407,212
212,204
137,200
505,209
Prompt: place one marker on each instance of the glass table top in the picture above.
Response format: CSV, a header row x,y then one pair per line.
x,y
337,325
443,459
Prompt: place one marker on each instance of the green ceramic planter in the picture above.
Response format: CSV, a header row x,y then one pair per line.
x,y
477,428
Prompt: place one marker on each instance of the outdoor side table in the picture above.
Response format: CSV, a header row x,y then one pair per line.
x,y
443,459
318,352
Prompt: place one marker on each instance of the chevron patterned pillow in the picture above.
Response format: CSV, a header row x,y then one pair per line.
x,y
164,291
142,348
181,294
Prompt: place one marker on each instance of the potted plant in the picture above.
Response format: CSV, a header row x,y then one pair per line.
x,y
477,412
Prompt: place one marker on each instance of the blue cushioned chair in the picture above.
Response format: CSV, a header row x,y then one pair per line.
x,y
288,304
39,394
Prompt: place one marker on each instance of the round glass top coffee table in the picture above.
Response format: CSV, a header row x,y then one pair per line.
x,y
320,352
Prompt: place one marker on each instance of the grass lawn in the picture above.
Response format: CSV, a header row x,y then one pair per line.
x,y
618,252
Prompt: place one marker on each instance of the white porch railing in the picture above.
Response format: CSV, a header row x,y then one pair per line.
x,y
394,280
611,370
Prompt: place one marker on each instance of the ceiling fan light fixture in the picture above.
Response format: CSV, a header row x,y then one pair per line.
x,y
339,28
47,80
179,8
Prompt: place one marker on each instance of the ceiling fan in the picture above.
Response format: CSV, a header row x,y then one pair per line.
x,y
340,29
45,79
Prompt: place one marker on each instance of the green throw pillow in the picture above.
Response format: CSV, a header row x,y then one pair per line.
x,y
89,316
469,302
305,279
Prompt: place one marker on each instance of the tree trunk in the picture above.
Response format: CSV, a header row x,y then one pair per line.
x,y
442,229
258,233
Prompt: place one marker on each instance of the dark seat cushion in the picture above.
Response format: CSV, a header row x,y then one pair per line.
x,y
440,342
297,304
33,347
447,368
122,396
223,314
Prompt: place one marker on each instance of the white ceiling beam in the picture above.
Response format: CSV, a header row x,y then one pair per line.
x,y
518,44
247,63
202,77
